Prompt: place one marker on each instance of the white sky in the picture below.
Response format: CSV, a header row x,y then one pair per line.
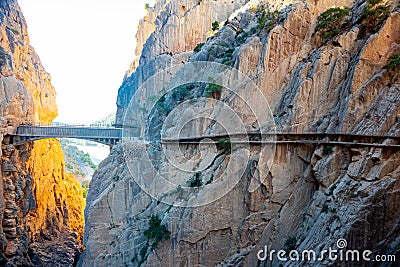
x,y
86,46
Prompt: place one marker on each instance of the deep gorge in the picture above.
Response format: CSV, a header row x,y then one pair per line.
x,y
322,67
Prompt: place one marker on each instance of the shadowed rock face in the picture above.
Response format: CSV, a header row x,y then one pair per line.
x,y
41,207
316,194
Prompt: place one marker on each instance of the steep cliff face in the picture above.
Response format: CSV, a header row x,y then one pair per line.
x,y
306,196
166,37
59,199
22,73
41,207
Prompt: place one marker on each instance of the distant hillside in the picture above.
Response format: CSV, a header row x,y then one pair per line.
x,y
108,120
77,162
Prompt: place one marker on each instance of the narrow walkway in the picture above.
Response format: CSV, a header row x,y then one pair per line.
x,y
111,136
256,138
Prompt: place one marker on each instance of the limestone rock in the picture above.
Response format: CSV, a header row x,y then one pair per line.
x,y
310,195
40,205
166,22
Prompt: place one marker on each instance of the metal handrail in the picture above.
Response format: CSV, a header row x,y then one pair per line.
x,y
59,124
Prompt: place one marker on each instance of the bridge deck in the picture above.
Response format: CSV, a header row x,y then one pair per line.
x,y
108,136
64,131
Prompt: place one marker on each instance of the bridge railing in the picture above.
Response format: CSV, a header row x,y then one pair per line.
x,y
77,125
69,131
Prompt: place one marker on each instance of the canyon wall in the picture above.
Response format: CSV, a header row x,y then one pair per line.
x,y
306,196
41,207
166,37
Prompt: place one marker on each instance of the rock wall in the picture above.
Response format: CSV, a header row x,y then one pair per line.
x,y
157,46
41,207
308,196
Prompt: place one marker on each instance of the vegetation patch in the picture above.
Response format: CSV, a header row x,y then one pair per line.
x,y
331,21
327,150
393,66
162,105
222,53
325,209
85,157
374,14
180,92
156,232
267,18
75,158
198,47
3,59
224,145
85,186
78,172
213,90
215,26
69,166
227,57
195,181
14,30
241,38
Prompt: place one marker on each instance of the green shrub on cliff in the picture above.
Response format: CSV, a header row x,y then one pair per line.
x,y
86,184
85,157
156,231
215,26
14,30
327,150
182,91
393,67
241,38
213,90
325,209
331,21
198,47
85,192
3,59
374,14
267,19
224,145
